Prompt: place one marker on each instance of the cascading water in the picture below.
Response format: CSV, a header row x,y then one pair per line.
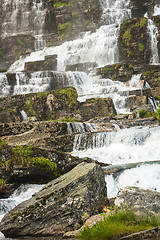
x,y
153,33
121,147
24,17
102,48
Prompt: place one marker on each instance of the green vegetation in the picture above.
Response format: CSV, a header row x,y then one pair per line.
x,y
133,35
30,107
3,144
157,114
141,47
67,119
58,4
118,224
2,181
64,26
144,114
24,155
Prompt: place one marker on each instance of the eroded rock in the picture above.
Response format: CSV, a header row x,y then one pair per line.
x,y
140,201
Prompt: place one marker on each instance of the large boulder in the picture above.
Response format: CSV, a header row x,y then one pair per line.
x,y
140,201
60,205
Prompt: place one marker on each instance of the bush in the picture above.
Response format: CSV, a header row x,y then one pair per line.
x,y
144,114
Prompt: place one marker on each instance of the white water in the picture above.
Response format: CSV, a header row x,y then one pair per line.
x,y
145,176
156,10
153,33
99,47
22,17
124,146
21,194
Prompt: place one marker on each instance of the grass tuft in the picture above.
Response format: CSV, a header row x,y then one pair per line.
x,y
118,224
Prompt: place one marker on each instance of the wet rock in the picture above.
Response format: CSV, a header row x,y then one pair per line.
x,y
50,63
117,72
60,205
97,107
134,46
81,67
140,201
133,101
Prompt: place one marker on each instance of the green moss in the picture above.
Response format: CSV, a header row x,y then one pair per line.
x,y
64,26
3,144
2,70
141,47
24,155
44,164
2,181
67,119
75,13
127,35
20,42
30,107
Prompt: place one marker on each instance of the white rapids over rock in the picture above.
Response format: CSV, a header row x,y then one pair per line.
x,y
124,146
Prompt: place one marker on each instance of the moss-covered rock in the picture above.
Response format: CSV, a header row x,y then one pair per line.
x,y
97,107
133,44
117,72
50,63
44,105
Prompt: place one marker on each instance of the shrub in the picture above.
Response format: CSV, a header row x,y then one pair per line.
x,y
144,114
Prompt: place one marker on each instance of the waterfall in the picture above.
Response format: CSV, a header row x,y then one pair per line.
x,y
23,17
132,145
101,45
153,33
4,86
156,10
24,115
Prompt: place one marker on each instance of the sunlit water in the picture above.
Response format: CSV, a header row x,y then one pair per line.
x,y
121,147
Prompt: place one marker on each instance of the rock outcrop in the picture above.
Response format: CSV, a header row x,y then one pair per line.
x,y
60,205
61,105
140,201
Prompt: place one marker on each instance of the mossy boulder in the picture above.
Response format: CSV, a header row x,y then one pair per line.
x,y
60,205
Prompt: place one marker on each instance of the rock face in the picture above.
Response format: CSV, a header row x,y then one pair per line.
x,y
60,205
50,63
139,200
97,107
61,104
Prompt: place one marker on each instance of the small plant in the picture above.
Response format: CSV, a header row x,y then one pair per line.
x,y
144,114
2,181
3,144
157,114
